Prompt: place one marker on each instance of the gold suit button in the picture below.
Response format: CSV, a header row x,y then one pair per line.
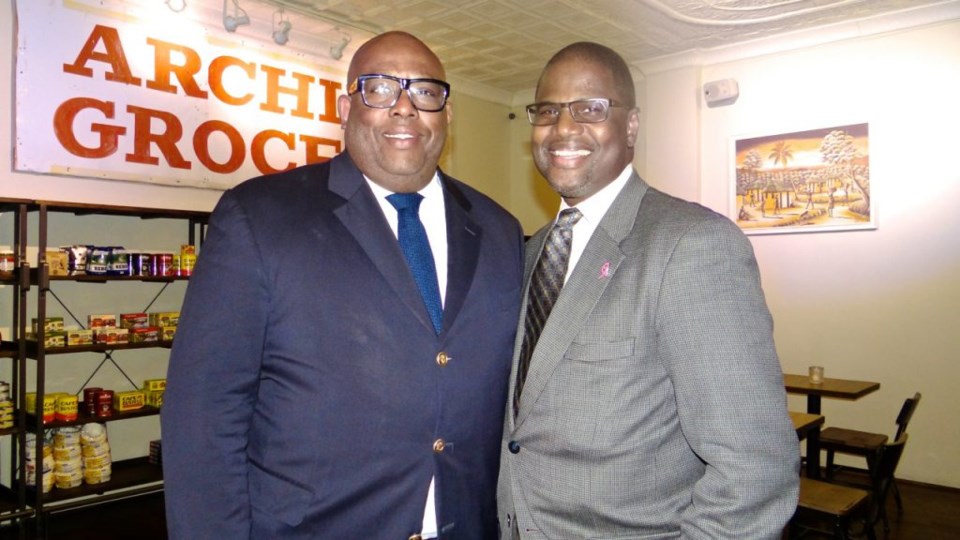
x,y
415,537
442,359
439,445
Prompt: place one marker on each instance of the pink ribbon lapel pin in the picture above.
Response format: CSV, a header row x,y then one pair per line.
x,y
605,270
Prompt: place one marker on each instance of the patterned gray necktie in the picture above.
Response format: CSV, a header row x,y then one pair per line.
x,y
545,287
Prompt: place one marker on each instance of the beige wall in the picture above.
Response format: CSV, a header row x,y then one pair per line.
x,y
880,305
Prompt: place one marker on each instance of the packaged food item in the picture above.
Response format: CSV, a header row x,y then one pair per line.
x,y
76,259
167,333
101,321
57,262
67,409
111,335
134,320
119,262
80,337
128,401
51,339
153,398
149,334
104,403
98,261
90,400
50,324
153,385
164,318
7,261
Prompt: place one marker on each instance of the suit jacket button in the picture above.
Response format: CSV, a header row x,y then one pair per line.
x,y
514,447
439,445
442,359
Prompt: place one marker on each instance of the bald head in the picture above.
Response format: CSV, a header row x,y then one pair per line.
x,y
378,47
585,51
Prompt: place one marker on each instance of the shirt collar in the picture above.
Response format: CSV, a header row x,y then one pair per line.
x,y
594,207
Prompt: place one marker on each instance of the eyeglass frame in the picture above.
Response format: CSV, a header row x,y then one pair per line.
x,y
609,103
357,85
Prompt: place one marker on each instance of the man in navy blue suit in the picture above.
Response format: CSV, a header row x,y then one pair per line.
x,y
311,393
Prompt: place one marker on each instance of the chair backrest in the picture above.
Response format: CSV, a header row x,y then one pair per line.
x,y
906,413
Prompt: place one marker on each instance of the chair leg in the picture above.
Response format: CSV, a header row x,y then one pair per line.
x,y
896,497
829,465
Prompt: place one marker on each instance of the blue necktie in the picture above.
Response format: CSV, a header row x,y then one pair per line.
x,y
416,249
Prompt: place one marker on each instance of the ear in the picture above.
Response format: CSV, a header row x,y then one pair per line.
x,y
633,127
448,110
343,109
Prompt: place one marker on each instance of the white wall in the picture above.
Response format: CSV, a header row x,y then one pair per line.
x,y
880,305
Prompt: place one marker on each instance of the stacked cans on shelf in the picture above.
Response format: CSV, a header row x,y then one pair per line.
x,y
46,464
81,455
6,406
97,462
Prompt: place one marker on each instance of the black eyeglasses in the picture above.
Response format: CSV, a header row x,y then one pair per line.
x,y
584,111
382,91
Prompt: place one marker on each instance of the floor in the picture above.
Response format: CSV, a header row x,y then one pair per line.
x,y
930,513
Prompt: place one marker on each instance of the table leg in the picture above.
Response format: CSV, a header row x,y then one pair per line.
x,y
813,453
813,404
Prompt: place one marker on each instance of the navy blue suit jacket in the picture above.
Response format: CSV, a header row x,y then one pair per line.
x,y
305,395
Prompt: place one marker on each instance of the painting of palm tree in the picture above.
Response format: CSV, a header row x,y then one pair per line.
x,y
804,181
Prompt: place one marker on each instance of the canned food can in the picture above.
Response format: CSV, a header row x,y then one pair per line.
x,y
90,400
104,403
66,408
49,408
139,264
161,264
187,262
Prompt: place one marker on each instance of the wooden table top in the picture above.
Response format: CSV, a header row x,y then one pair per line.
x,y
804,422
834,388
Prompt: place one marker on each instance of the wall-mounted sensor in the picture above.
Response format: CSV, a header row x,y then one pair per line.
x,y
723,92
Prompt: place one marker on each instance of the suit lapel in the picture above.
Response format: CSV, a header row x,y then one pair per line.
x,y
363,218
596,268
463,250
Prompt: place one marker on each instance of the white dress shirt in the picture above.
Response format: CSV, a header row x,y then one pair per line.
x,y
434,220
593,210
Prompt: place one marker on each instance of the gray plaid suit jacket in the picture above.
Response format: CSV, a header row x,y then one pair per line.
x,y
654,405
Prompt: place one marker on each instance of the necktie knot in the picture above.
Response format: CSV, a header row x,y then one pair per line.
x,y
406,201
568,218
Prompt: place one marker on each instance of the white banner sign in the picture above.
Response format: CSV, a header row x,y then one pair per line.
x,y
110,89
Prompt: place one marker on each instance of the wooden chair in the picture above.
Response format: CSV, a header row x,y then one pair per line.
x,y
882,480
835,504
866,444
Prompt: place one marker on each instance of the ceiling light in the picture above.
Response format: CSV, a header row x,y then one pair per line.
x,y
176,5
238,19
281,28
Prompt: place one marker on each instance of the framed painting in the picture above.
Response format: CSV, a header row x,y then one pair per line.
x,y
804,181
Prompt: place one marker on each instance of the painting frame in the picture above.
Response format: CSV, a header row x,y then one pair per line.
x,y
809,180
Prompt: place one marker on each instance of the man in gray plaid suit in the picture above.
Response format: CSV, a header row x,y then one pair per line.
x,y
650,403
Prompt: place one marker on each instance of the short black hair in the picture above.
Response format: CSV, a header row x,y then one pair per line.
x,y
604,56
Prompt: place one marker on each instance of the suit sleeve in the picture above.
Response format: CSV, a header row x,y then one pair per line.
x,y
715,335
212,383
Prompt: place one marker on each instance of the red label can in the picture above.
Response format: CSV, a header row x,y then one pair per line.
x,y
90,400
104,403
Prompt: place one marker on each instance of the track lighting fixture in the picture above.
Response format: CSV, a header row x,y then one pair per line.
x,y
281,28
176,5
238,19
336,50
